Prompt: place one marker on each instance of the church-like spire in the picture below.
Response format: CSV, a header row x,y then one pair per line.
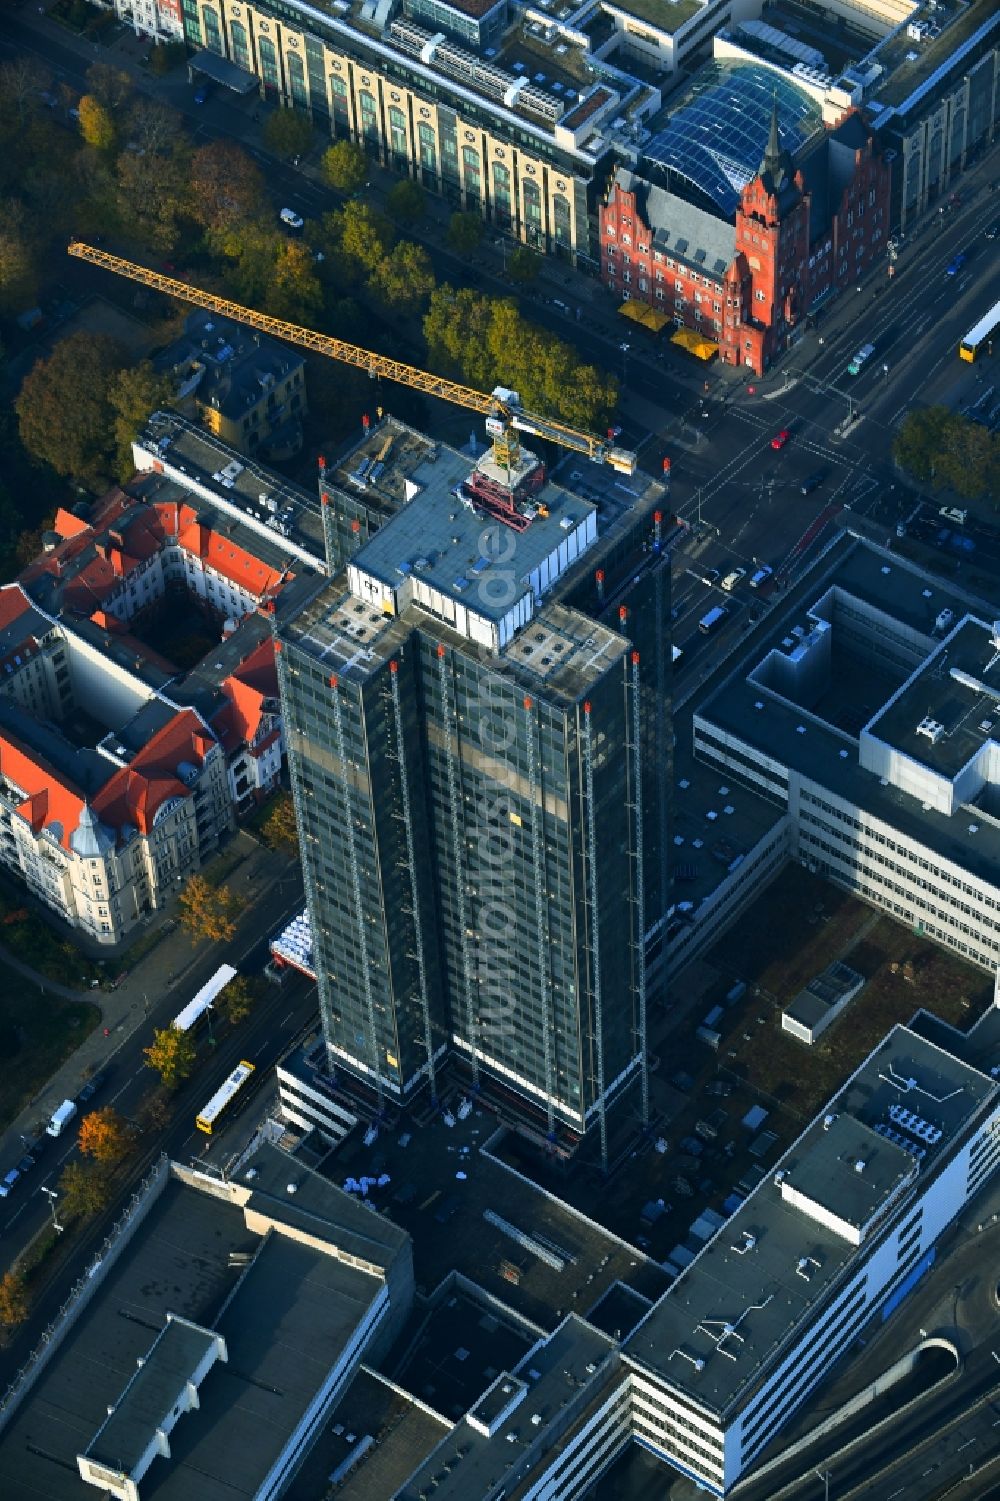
x,y
771,161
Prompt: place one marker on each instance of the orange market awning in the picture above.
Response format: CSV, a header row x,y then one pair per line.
x,y
695,343
641,312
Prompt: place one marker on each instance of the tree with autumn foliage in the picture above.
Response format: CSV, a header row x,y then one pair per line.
x,y
172,1054
226,186
104,1135
279,827
14,1301
84,1188
96,124
237,1000
207,911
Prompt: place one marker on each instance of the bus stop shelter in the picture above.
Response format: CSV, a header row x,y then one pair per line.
x,y
221,71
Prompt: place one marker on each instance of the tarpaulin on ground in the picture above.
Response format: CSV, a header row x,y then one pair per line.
x,y
641,312
695,343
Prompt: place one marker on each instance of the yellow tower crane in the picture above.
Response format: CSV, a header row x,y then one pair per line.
x,y
505,417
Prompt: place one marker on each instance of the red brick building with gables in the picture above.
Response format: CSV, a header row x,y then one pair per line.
x,y
801,233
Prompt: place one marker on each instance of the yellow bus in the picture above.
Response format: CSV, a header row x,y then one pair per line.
x,y
224,1097
979,340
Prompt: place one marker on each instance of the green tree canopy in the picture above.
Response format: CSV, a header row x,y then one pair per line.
x,y
361,235
404,279
465,233
523,265
288,132
132,394
345,166
486,342
84,1188
294,292
63,411
18,258
950,451
406,202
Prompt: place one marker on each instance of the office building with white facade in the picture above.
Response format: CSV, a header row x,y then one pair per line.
x,y
842,1229
863,720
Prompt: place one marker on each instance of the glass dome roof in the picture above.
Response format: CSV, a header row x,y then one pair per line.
x,y
716,139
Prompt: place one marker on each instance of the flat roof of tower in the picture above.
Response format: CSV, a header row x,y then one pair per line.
x,y
444,539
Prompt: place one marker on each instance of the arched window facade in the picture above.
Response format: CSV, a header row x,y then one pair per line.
x,y
562,222
213,31
369,118
472,176
295,68
268,63
427,152
341,107
239,45
501,193
532,199
397,138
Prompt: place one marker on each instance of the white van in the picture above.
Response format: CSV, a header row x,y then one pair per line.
x,y
61,1118
952,513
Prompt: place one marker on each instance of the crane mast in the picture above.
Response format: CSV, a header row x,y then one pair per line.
x,y
505,417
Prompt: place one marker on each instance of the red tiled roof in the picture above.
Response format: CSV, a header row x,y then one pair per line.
x,y
254,680
49,797
13,604
67,525
137,792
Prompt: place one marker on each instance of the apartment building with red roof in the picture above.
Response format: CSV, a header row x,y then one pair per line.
x,y
121,772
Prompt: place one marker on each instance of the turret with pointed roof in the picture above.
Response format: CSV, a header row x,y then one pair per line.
x,y
776,167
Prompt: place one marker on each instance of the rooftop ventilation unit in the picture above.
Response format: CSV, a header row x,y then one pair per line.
x,y
931,729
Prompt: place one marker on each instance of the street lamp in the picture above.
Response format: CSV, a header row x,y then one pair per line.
x,y
52,1196
624,349
824,1475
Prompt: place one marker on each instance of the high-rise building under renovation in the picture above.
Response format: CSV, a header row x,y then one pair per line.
x,y
478,735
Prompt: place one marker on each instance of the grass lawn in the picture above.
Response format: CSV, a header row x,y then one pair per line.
x,y
793,932
37,1032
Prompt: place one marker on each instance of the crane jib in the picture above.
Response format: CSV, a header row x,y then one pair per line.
x,y
376,365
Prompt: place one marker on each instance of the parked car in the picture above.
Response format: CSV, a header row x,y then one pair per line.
x,y
719,1087
813,481
446,1210
91,1087
200,94
691,1146
289,217
780,439
8,1182
26,1163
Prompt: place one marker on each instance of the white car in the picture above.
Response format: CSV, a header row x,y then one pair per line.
x,y
732,579
291,218
864,354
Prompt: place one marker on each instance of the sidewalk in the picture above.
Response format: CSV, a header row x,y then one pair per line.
x,y
160,973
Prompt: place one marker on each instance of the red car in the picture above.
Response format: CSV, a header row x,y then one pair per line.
x,y
781,439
